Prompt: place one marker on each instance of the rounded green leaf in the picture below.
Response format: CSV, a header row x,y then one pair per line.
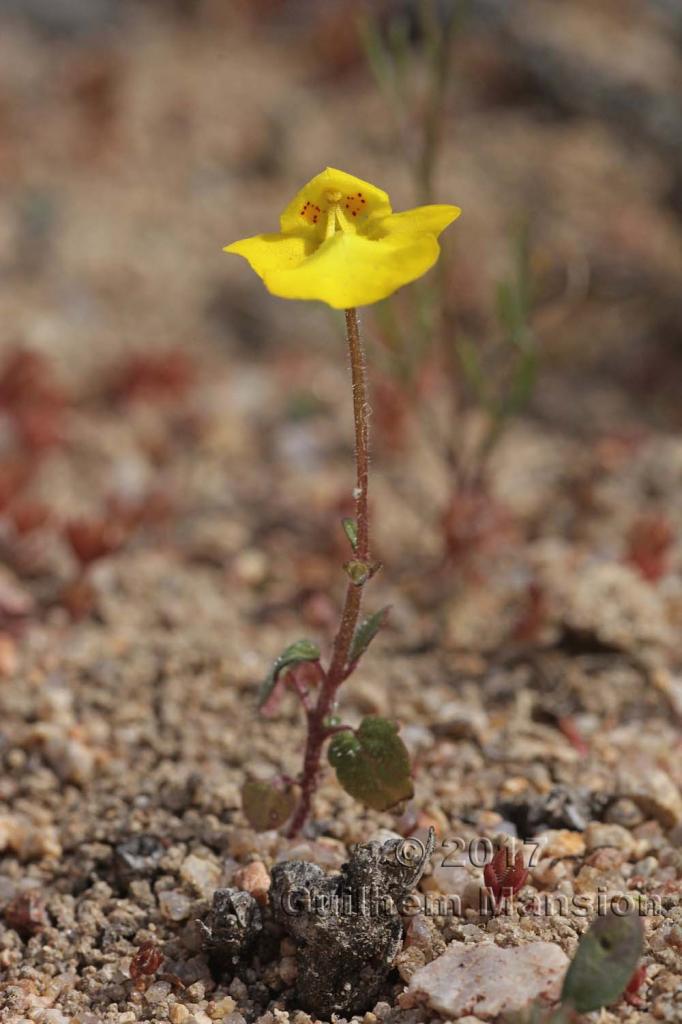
x,y
267,806
372,763
604,962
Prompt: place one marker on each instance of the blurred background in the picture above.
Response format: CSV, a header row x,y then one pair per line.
x,y
137,138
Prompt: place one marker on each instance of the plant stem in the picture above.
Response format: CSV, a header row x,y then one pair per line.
x,y
318,732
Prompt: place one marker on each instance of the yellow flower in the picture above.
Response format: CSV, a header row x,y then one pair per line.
x,y
340,242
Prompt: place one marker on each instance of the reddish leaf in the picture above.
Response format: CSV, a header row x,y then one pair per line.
x,y
92,539
28,516
78,597
154,376
503,876
573,735
145,962
634,985
648,546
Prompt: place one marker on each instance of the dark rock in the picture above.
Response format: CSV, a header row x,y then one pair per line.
x,y
233,927
137,857
563,807
347,927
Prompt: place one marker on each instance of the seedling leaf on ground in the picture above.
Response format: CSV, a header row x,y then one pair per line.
x,y
266,805
604,963
372,763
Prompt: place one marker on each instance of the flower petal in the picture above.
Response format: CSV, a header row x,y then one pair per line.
x,y
307,211
430,219
350,270
266,253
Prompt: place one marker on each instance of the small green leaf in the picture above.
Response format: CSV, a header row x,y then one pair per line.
x,y
365,633
604,962
372,763
350,528
302,650
266,806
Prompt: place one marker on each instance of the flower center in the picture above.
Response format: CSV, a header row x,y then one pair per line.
x,y
341,211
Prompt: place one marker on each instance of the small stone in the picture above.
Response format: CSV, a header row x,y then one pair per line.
x,y
382,1010
238,990
383,835
453,880
560,843
624,812
196,991
612,603
646,867
595,879
26,914
251,567
288,970
9,658
421,932
158,992
179,1013
28,840
607,859
254,879
488,979
202,874
328,853
408,961
174,905
198,1015
232,928
221,1008
137,857
654,792
598,835
460,721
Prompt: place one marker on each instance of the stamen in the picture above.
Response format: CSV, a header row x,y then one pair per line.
x,y
336,217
